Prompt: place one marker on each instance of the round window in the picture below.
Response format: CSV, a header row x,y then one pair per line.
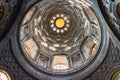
x,y
116,76
4,75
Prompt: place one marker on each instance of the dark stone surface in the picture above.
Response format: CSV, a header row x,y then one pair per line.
x,y
11,8
111,60
7,59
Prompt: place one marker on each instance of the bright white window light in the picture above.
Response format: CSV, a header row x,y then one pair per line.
x,y
4,75
30,48
60,63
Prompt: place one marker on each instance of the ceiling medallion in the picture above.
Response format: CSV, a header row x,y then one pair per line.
x,y
60,37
